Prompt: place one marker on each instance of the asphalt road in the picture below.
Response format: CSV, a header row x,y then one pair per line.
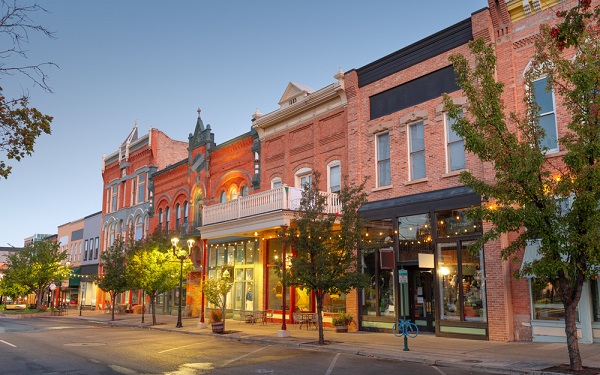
x,y
58,346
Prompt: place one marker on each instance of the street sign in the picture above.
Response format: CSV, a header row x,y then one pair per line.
x,y
403,276
52,287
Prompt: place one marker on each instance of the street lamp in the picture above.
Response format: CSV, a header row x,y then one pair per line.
x,y
181,254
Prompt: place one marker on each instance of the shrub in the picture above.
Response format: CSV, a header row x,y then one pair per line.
x,y
216,315
342,320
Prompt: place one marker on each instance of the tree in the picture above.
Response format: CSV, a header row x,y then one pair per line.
x,y
113,278
152,267
326,245
32,269
556,201
216,289
20,125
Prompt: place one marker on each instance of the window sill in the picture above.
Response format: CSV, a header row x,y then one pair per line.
x,y
454,173
555,154
420,180
380,188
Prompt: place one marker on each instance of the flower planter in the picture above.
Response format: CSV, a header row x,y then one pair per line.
x,y
341,329
218,327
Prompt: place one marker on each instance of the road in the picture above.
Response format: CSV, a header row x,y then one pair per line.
x,y
59,346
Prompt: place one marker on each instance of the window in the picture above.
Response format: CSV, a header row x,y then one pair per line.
x,y
455,148
303,177
133,191
141,196
85,250
177,216
244,191
186,211
233,193
160,218
417,151
168,218
139,228
334,177
276,183
223,197
96,247
113,198
383,160
547,115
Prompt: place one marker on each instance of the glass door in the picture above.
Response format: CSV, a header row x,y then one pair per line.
x,y
421,298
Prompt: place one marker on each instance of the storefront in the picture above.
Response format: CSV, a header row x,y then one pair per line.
x,y
426,238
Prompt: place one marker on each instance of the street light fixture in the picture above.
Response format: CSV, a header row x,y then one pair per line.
x,y
181,254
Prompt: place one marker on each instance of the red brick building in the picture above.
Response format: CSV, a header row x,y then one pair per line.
x,y
399,134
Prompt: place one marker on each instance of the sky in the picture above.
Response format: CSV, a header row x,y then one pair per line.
x,y
156,62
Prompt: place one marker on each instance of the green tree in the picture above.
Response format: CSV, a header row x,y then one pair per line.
x,y
32,269
326,245
216,289
20,125
152,267
113,278
555,200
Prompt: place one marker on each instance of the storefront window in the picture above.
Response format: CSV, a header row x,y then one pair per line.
x,y
453,223
369,293
303,299
414,236
546,302
335,302
378,297
274,286
595,299
462,283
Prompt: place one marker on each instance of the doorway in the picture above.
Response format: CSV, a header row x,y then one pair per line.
x,y
421,298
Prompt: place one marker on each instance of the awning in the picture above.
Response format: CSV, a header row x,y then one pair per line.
x,y
437,200
74,279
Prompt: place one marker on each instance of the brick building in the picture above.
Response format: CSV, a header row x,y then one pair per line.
x,y
399,133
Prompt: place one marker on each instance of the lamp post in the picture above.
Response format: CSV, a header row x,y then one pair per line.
x,y
182,255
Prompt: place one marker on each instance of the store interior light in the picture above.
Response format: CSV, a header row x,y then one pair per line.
x,y
445,271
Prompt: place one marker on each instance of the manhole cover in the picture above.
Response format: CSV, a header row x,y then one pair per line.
x,y
86,344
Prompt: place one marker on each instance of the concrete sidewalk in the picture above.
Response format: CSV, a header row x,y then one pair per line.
x,y
508,358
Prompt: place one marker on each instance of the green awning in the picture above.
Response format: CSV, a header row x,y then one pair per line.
x,y
74,279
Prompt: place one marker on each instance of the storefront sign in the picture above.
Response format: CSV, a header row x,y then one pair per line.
x,y
403,276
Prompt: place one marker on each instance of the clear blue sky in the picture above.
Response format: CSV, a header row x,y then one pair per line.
x,y
158,61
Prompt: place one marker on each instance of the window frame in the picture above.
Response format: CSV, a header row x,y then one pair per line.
x,y
413,151
383,160
546,114
449,131
302,177
330,167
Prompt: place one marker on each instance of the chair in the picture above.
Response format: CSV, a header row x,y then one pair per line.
x,y
298,319
269,316
260,316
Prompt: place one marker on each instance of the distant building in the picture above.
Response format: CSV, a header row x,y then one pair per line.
x,y
36,237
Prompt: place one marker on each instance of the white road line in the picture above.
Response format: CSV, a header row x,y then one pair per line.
x,y
8,343
245,355
185,346
332,365
438,370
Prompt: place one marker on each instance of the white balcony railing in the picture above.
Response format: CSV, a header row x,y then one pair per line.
x,y
283,198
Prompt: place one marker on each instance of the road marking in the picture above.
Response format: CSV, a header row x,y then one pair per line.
x,y
243,356
332,365
438,370
8,343
181,347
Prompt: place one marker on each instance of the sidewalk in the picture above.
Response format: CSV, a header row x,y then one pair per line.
x,y
508,358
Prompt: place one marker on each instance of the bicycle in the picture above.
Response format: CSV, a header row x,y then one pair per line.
x,y
405,328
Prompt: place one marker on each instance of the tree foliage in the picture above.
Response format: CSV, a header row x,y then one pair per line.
x,y
32,269
555,199
152,267
325,244
113,278
20,124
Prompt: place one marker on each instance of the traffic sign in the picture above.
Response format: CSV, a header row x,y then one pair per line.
x,y
403,276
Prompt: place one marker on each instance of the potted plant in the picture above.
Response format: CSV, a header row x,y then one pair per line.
x,y
341,322
216,321
215,290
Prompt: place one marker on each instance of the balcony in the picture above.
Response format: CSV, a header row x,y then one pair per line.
x,y
283,198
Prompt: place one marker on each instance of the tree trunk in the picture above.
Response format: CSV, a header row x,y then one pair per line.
x,y
320,296
153,307
572,342
112,306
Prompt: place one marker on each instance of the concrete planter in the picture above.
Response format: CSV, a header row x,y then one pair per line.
x,y
218,327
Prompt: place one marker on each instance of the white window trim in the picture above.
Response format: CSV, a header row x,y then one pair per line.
x,y
377,180
410,152
301,173
447,145
335,163
275,181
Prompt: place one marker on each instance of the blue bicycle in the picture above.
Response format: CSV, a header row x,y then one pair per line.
x,y
405,328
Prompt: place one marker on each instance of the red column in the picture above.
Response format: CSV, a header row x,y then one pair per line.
x,y
284,289
203,276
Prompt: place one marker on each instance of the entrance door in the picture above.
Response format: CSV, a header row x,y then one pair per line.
x,y
421,298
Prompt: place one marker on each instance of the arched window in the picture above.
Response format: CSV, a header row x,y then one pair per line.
x,y
334,177
198,201
233,193
139,228
167,218
186,211
303,177
177,216
223,197
276,183
160,218
244,191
